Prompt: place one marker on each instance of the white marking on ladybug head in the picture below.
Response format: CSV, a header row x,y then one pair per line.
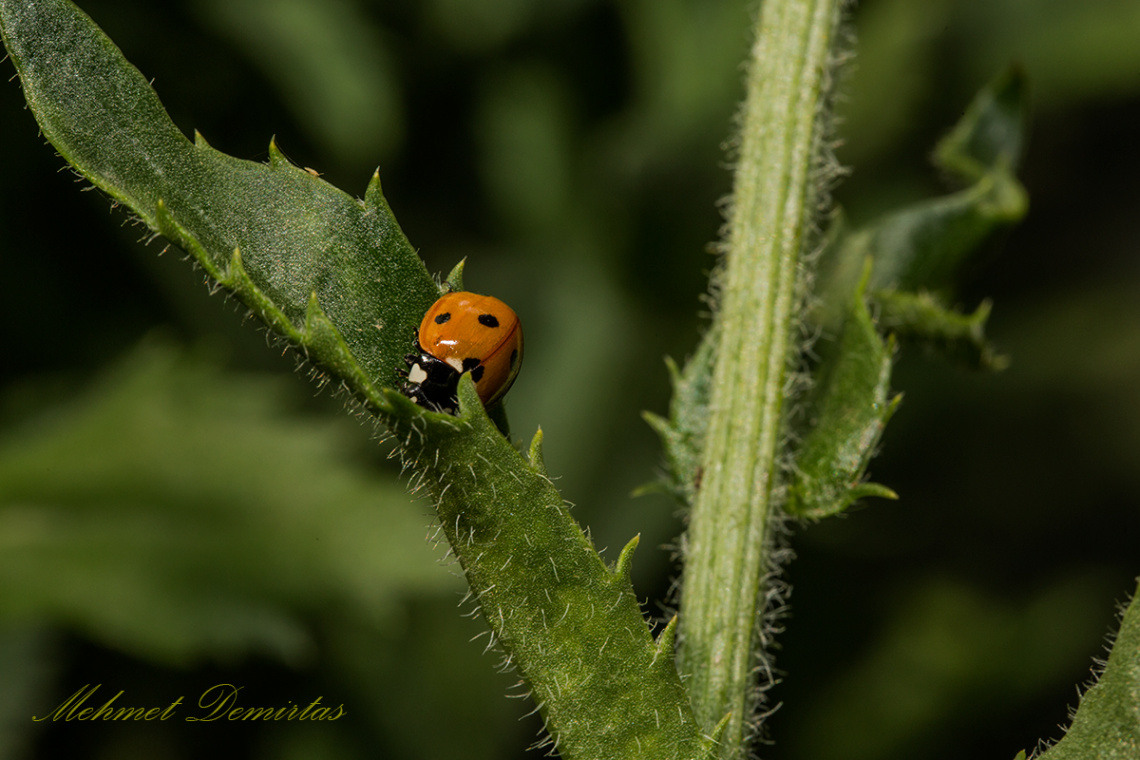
x,y
416,374
455,363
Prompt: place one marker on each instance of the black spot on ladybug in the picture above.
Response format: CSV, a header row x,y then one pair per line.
x,y
441,318
477,373
488,320
470,363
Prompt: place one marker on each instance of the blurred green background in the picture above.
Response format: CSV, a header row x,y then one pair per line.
x,y
179,507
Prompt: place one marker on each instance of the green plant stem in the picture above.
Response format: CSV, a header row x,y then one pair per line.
x,y
774,202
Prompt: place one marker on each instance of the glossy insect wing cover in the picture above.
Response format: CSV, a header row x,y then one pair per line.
x,y
477,334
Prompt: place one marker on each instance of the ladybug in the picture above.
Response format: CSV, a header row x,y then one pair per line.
x,y
464,332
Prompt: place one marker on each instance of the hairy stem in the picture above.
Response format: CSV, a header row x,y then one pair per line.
x,y
774,202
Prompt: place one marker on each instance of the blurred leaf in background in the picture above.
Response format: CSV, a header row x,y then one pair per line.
x,y
177,512
338,78
970,609
188,515
573,150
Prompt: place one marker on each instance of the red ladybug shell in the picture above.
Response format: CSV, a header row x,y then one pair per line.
x,y
476,334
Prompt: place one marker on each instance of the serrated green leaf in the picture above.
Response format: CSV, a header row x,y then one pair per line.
x,y
572,625
845,412
333,274
178,512
1106,725
923,247
992,131
683,433
926,245
338,277
921,317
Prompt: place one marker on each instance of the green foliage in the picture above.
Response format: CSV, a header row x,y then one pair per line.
x,y
582,180
570,624
1077,54
197,500
923,247
194,517
923,318
338,79
905,264
781,168
1106,725
683,434
333,274
846,411
337,278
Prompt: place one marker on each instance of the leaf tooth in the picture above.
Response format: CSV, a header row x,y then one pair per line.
x,y
315,317
276,157
169,228
624,566
455,277
864,490
534,454
320,336
893,404
374,194
659,486
164,221
200,141
713,739
675,378
470,405
667,484
235,277
660,425
397,403
319,332
667,642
